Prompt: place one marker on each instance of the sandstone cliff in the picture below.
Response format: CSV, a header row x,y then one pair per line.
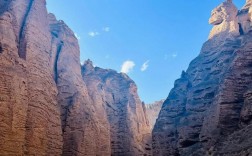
x,y
46,108
83,133
114,96
208,112
152,111
30,116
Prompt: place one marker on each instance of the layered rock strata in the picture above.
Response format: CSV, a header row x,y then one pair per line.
x,y
46,108
114,95
30,116
152,111
83,134
208,110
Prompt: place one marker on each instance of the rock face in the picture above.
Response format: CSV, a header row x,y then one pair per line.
x,y
225,21
46,108
30,116
82,131
152,111
114,96
208,112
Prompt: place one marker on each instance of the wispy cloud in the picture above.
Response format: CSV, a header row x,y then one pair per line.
x,y
145,66
174,55
77,36
127,66
106,29
93,33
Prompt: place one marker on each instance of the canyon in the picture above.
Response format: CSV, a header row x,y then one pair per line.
x,y
50,104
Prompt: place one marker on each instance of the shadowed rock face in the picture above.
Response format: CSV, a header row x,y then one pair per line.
x,y
114,95
208,110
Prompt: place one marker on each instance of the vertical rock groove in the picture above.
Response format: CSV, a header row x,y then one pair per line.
x,y
21,39
59,48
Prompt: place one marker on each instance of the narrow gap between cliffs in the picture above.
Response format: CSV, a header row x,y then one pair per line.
x,y
240,29
59,48
1,48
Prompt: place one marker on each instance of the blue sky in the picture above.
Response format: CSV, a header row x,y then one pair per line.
x,y
154,39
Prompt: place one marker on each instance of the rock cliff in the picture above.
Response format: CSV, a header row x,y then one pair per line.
x,y
152,111
114,96
83,133
30,116
208,112
46,108
51,105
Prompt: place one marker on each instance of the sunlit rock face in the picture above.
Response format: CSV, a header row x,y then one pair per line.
x,y
152,112
225,21
114,96
208,111
83,131
46,108
29,114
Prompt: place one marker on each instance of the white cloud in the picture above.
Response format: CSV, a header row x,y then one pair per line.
x,y
106,29
174,55
127,66
145,66
93,33
77,36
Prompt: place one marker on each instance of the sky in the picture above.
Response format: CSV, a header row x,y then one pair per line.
x,y
152,41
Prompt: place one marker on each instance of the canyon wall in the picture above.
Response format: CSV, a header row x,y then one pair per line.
x,y
115,97
208,112
83,133
48,103
30,116
152,111
52,105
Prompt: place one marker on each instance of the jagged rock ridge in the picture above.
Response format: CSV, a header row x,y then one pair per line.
x,y
208,112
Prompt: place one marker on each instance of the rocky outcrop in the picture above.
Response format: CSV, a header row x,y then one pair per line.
x,y
208,110
152,111
114,96
225,21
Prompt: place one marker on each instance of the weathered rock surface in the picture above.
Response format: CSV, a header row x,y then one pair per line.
x,y
152,111
46,108
83,133
225,21
114,96
208,112
29,115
